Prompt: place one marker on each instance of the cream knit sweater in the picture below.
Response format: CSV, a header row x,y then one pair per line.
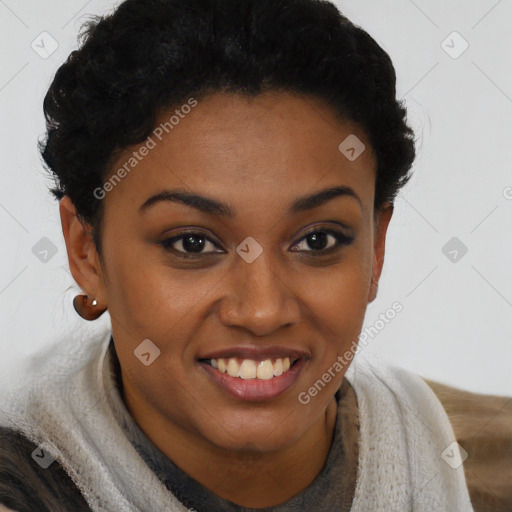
x,y
68,407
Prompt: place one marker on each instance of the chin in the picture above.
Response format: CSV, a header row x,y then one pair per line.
x,y
261,437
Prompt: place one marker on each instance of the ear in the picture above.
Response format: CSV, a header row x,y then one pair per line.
x,y
383,217
83,258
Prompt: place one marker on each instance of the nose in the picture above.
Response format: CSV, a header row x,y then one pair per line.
x,y
258,298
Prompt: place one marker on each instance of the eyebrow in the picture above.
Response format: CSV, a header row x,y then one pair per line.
x,y
215,207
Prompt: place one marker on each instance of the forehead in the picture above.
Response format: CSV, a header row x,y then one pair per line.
x,y
242,149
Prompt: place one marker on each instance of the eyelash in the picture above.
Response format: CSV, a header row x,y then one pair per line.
x,y
341,240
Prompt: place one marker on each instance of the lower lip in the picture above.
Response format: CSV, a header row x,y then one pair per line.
x,y
254,390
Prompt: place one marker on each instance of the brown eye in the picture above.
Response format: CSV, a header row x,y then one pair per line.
x,y
190,243
324,241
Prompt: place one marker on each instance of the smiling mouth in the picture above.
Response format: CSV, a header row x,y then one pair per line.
x,y
251,369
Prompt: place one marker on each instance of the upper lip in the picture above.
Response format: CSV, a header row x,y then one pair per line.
x,y
257,353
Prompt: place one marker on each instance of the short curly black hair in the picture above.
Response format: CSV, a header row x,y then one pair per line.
x,y
151,55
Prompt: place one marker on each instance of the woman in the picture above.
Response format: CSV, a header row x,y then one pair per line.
x,y
226,171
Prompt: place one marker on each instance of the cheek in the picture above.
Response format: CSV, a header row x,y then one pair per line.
x,y
340,289
337,299
149,297
162,386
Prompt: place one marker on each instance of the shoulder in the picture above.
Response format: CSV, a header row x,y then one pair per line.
x,y
483,427
26,486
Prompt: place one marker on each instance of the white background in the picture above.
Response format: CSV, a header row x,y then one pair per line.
x,y
456,323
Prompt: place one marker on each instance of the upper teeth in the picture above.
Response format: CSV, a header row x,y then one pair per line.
x,y
250,369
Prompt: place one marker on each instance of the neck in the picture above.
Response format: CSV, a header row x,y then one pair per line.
x,y
250,479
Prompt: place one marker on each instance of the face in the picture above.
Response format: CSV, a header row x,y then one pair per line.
x,y
265,267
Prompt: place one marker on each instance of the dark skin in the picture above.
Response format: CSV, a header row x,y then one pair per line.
x,y
258,155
